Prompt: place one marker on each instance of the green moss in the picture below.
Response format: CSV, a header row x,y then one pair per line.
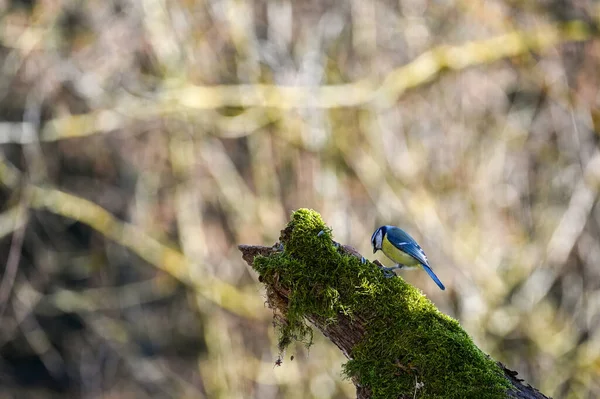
x,y
407,340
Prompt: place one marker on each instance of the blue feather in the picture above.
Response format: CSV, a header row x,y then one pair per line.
x,y
404,242
434,277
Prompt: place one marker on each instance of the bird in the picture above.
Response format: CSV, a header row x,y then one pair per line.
x,y
401,248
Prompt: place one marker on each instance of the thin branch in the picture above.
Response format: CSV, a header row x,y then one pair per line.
x,y
163,256
14,256
384,93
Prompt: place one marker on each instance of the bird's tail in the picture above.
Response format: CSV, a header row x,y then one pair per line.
x,y
434,277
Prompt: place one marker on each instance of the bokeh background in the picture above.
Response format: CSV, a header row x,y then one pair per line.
x,y
141,141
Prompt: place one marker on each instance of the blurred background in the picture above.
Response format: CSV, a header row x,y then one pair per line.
x,y
141,141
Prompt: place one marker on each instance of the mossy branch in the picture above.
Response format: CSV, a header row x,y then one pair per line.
x,y
399,345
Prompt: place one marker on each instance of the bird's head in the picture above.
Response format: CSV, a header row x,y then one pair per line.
x,y
377,238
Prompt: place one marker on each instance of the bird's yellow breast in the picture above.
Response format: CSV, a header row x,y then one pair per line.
x,y
396,255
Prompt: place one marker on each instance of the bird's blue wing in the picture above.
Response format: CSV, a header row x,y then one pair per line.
x,y
406,243
415,251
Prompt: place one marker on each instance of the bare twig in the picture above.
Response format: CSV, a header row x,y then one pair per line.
x,y
384,93
14,256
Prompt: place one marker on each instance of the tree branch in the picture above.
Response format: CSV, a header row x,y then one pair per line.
x,y
397,347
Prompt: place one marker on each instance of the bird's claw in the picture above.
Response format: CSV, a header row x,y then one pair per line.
x,y
388,272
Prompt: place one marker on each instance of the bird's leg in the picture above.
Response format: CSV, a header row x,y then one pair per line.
x,y
389,271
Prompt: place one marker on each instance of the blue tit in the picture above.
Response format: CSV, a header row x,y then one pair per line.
x,y
401,248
